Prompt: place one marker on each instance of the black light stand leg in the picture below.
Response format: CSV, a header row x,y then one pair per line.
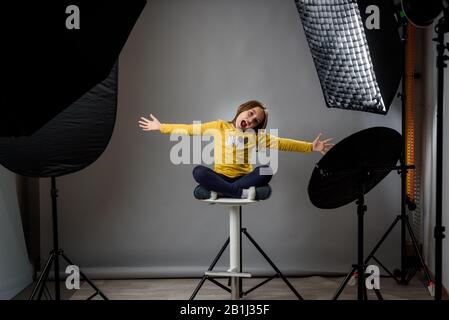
x,y
403,187
365,293
44,278
415,246
279,273
385,268
343,284
403,230
418,252
403,160
379,296
38,287
211,267
47,293
360,266
361,209
441,28
54,257
83,276
54,195
381,241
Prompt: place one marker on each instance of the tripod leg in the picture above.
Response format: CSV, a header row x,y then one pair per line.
x,y
42,290
54,195
361,209
86,279
411,274
415,245
272,265
43,277
365,293
211,267
386,269
376,291
43,286
47,293
198,287
57,282
379,296
344,283
377,246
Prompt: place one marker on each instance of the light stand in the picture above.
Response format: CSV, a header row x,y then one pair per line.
x,y
441,28
360,267
403,217
54,258
346,173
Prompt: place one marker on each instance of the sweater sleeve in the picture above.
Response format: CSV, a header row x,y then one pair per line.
x,y
284,144
190,129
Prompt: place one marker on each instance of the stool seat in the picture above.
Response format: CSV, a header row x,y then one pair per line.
x,y
230,201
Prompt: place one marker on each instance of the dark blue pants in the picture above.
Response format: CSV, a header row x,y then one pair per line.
x,y
231,187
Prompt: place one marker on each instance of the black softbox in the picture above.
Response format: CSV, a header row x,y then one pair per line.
x,y
70,141
59,104
60,100
49,66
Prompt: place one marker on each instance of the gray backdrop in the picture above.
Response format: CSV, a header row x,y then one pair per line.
x,y
15,268
132,213
428,167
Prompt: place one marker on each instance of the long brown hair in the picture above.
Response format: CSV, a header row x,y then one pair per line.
x,y
249,105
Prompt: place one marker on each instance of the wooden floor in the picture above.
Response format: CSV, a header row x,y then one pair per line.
x,y
311,288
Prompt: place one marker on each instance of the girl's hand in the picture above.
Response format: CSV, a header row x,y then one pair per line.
x,y
149,125
322,146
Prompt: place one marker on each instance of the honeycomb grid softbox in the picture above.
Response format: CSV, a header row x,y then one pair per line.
x,y
358,68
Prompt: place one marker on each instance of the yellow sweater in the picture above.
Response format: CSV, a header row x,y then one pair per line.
x,y
233,147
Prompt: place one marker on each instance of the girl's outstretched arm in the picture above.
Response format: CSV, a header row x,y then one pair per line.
x,y
207,128
292,145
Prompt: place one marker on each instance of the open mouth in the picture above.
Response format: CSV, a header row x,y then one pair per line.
x,y
243,124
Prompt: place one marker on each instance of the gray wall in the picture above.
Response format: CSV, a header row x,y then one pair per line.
x,y
15,268
429,157
132,213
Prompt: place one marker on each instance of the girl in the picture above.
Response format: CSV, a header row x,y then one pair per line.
x,y
235,139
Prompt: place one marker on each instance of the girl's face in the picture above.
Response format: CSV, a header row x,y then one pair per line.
x,y
250,119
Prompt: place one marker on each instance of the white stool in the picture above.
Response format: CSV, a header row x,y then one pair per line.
x,y
235,253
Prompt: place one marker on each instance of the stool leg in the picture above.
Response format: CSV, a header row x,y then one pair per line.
x,y
234,249
211,267
278,272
